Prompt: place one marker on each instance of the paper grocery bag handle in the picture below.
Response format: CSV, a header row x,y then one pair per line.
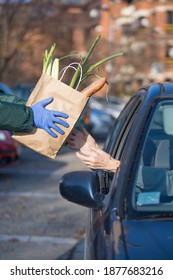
x,y
71,65
94,87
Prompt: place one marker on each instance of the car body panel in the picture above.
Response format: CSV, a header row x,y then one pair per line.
x,y
111,238
149,240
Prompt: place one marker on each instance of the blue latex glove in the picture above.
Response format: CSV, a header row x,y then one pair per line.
x,y
47,119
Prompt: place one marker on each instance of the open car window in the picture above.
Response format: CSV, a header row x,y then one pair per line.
x,y
117,139
153,184
114,138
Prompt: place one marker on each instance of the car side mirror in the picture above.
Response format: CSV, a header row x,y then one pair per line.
x,y
82,187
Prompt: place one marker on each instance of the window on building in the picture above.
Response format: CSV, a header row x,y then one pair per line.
x,y
128,1
74,1
169,51
169,21
169,17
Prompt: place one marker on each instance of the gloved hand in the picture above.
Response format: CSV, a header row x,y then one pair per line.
x,y
47,119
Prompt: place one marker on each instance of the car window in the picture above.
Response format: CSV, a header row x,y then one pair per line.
x,y
114,138
117,139
153,187
122,129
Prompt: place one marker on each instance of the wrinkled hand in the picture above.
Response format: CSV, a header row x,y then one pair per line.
x,y
80,139
48,119
95,158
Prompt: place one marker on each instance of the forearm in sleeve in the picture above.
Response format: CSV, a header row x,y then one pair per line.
x,y
15,117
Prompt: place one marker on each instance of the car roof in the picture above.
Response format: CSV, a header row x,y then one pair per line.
x,y
157,90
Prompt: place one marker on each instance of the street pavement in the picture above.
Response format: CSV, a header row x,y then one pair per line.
x,y
36,223
74,253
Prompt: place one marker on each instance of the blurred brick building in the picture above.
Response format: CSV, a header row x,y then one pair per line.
x,y
142,29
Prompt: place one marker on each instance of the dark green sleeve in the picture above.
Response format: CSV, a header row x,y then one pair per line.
x,y
11,98
15,117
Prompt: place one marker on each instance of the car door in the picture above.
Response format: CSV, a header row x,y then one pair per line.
x,y
148,213
98,243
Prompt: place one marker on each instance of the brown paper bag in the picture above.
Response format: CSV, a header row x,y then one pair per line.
x,y
67,100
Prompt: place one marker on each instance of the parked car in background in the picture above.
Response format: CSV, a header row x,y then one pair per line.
x,y
5,89
9,149
104,113
101,123
85,120
111,105
131,210
23,90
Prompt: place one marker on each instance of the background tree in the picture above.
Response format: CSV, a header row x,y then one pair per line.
x,y
27,28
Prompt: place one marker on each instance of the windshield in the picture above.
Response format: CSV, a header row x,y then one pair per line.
x,y
153,188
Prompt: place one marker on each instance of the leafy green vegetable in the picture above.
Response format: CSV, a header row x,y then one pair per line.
x,y
51,67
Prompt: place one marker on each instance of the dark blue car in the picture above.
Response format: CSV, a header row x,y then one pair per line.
x,y
131,211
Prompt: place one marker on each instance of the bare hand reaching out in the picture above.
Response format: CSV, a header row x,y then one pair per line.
x,y
96,158
90,153
80,139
